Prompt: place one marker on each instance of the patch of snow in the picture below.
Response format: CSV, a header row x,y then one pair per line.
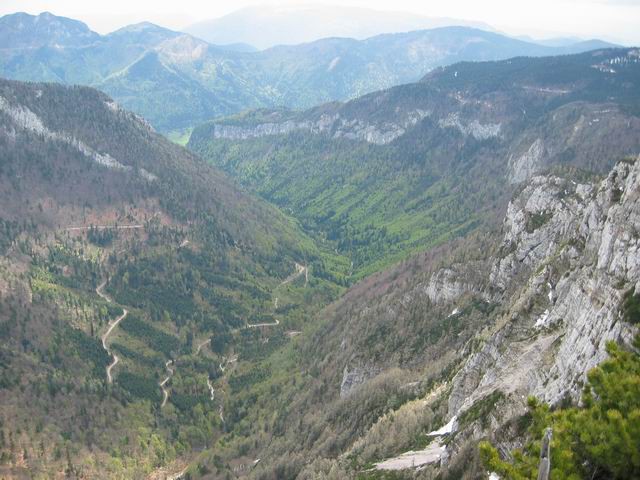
x,y
450,427
113,106
147,175
542,319
413,459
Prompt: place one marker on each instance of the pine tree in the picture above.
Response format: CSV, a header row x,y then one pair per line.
x,y
600,440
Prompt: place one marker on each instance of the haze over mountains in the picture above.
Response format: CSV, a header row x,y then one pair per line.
x,y
177,81
268,26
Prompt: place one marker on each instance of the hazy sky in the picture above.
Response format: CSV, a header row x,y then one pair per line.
x,y
617,20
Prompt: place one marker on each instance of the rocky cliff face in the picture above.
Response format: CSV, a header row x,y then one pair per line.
x,y
341,126
570,252
334,125
574,133
447,285
567,256
352,378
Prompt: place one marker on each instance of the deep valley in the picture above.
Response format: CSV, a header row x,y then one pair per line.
x,y
409,256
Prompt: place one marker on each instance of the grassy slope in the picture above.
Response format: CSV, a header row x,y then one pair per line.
x,y
361,199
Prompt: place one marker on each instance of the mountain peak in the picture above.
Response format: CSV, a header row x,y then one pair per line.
x,y
183,48
23,30
141,27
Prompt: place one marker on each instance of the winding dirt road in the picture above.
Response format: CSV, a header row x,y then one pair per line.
x,y
256,325
221,410
113,324
200,345
209,384
165,392
103,227
222,367
226,362
300,269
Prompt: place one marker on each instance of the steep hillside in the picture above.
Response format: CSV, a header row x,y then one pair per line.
x,y
407,372
416,165
177,81
130,271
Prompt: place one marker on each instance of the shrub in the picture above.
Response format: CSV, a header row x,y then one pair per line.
x,y
599,440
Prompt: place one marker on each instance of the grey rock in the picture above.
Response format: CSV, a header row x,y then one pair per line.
x,y
351,379
527,164
577,267
480,131
334,125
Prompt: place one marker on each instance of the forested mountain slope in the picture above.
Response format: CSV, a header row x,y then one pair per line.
x,y
176,81
130,271
413,367
416,165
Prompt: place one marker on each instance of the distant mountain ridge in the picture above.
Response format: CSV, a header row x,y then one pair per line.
x,y
177,81
267,26
21,30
